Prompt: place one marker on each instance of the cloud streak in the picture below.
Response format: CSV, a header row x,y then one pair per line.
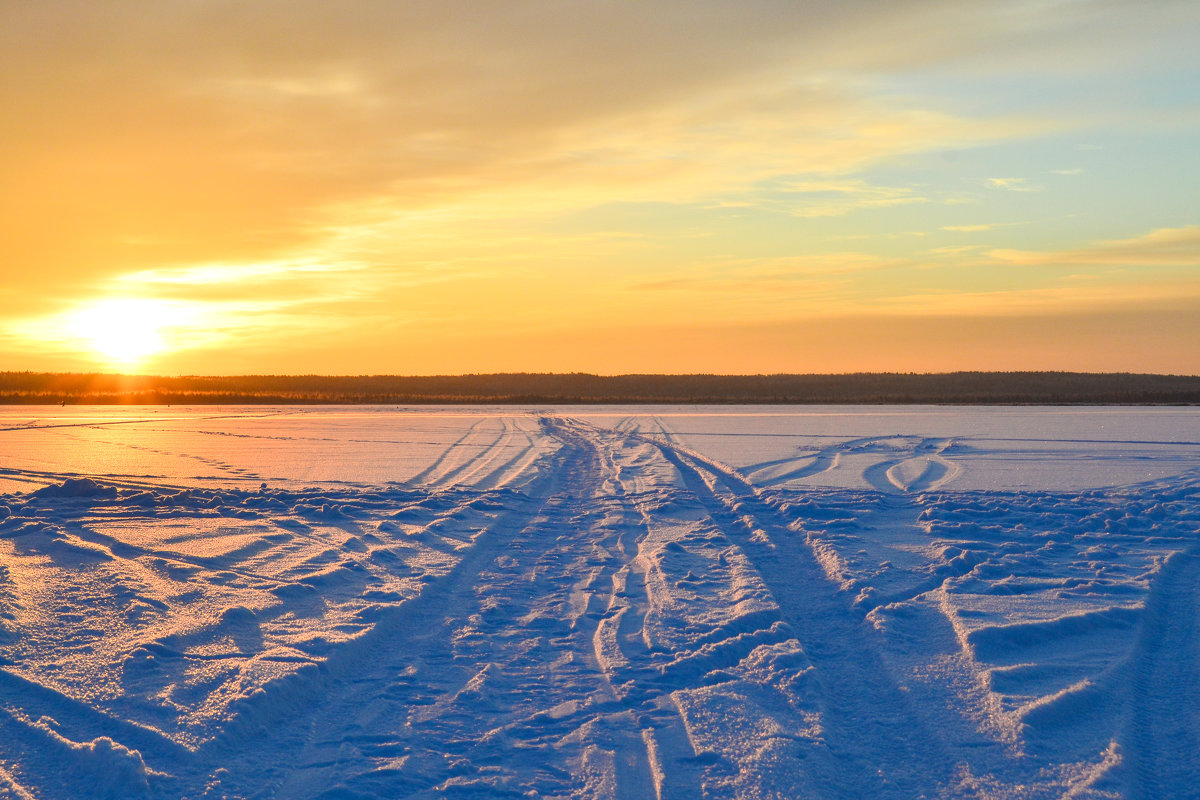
x,y
1164,247
1013,184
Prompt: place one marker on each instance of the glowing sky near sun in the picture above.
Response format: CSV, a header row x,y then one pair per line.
x,y
409,187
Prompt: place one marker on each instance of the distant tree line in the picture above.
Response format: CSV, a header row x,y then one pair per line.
x,y
579,388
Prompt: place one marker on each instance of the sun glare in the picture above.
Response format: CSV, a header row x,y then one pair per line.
x,y
123,331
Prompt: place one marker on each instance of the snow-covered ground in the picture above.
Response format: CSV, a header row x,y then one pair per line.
x,y
817,602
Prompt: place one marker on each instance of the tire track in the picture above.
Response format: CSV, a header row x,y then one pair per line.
x,y
824,460
485,662
615,643
512,466
306,710
878,745
487,455
1164,744
445,455
924,468
660,739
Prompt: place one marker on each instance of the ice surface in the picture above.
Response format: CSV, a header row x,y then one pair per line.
x,y
600,602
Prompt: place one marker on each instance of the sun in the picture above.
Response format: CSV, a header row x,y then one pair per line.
x,y
123,332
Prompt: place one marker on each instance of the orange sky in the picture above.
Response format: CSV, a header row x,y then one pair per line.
x,y
380,187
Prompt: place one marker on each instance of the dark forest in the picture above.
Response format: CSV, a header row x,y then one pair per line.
x,y
577,388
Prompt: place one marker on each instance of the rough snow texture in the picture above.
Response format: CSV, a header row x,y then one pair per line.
x,y
630,603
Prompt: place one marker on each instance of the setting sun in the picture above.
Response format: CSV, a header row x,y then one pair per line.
x,y
123,331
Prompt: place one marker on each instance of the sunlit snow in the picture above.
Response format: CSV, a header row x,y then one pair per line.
x,y
768,602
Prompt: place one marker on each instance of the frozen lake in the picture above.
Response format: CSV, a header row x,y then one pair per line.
x,y
625,602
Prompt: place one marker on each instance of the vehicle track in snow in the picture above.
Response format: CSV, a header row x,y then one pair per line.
x,y
446,462
1163,745
495,659
878,745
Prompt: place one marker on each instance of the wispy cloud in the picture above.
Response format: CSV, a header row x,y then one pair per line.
x,y
835,198
1178,247
771,273
954,251
1013,184
1046,300
209,274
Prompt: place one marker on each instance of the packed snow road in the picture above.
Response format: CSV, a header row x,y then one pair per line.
x,y
626,603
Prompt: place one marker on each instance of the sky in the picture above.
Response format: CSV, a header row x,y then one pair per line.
x,y
763,186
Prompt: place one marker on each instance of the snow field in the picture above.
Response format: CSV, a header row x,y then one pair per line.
x,y
600,603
